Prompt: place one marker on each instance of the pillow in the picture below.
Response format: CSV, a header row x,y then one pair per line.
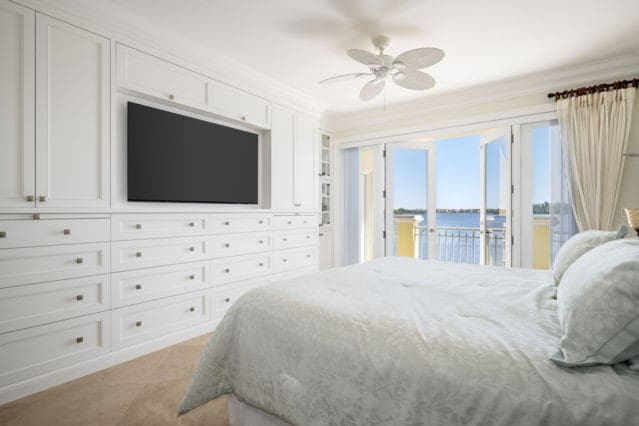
x,y
579,244
598,306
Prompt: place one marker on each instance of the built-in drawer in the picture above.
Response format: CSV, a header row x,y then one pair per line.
x,y
37,350
290,239
240,268
37,304
139,226
293,259
294,221
153,283
239,244
40,264
224,297
239,223
135,324
29,233
127,255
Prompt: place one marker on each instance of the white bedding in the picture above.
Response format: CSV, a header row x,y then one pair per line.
x,y
401,341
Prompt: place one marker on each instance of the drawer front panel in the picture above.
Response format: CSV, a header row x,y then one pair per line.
x,y
293,259
239,244
29,233
127,255
288,275
290,239
156,77
37,304
225,297
33,351
139,226
240,223
153,283
292,222
138,323
40,264
240,268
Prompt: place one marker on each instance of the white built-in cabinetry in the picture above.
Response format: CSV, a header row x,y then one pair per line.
x,y
326,242
88,279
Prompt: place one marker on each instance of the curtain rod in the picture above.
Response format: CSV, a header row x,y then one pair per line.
x,y
622,84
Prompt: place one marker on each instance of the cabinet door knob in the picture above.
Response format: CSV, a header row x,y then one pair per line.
x,y
3,234
227,223
79,297
191,224
192,309
227,245
321,235
30,198
79,260
289,222
42,198
308,237
138,226
67,232
260,222
261,263
172,97
261,241
227,270
79,339
191,248
138,254
243,118
228,299
308,255
138,323
284,239
138,286
191,277
284,260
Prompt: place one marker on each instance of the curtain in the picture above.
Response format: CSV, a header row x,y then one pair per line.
x,y
594,133
562,220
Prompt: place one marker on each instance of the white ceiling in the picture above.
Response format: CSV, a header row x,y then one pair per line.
x,y
300,42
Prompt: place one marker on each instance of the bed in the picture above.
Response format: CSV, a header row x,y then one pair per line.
x,y
403,341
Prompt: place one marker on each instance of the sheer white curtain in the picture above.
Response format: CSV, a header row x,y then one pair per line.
x,y
594,133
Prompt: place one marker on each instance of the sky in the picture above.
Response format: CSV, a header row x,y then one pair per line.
x,y
458,173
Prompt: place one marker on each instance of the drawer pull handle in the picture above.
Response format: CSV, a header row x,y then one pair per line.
x,y
308,237
284,260
227,223
138,226
138,286
79,339
191,277
260,222
227,270
228,299
138,323
192,309
227,245
261,264
191,224
284,239
308,255
191,248
42,198
243,117
3,234
79,297
261,241
305,222
321,235
67,232
79,260
138,254
30,198
289,222
172,97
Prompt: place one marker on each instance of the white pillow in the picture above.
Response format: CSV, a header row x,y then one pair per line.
x,y
579,244
598,306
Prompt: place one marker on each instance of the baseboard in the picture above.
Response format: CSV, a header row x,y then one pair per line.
x,y
36,384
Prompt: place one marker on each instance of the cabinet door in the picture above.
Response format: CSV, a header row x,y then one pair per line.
x,y
304,163
325,249
239,105
72,125
282,136
17,142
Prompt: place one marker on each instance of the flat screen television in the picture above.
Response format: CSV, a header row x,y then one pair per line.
x,y
174,158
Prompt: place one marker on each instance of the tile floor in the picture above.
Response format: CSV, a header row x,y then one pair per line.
x,y
143,391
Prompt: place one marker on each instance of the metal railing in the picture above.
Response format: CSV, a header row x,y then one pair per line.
x,y
462,245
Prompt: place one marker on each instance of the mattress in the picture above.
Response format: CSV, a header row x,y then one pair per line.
x,y
403,341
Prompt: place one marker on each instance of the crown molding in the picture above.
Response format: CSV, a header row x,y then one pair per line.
x,y
116,23
623,66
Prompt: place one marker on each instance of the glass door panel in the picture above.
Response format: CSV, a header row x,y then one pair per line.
x,y
495,200
410,200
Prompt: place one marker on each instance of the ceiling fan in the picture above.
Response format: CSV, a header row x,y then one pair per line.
x,y
403,69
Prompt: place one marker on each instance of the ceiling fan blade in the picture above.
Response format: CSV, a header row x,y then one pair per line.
x,y
364,57
372,89
344,77
414,80
420,58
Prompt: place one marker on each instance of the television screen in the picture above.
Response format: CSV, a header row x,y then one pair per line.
x,y
176,158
